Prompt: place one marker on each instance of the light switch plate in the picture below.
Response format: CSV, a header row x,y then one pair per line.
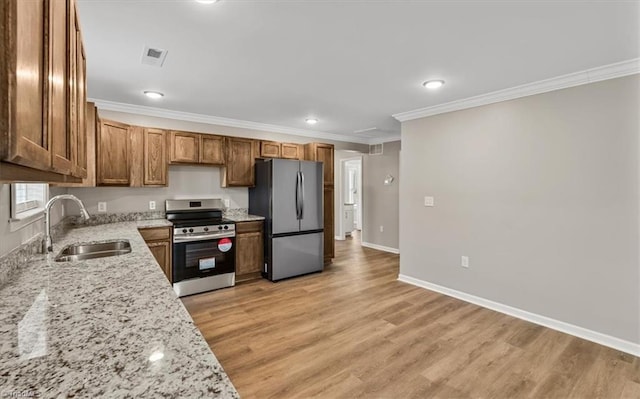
x,y
464,261
429,201
226,202
102,207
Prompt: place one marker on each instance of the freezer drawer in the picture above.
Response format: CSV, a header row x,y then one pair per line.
x,y
295,255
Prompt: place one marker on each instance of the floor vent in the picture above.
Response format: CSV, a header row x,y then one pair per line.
x,y
153,56
375,149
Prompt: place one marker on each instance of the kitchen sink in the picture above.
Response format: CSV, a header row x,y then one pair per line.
x,y
83,251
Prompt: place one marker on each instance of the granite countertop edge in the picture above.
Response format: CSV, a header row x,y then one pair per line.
x,y
109,327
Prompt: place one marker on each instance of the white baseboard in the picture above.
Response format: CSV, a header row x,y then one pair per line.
x,y
338,238
380,247
580,332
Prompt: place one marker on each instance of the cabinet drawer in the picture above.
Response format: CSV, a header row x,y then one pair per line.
x,y
156,233
248,227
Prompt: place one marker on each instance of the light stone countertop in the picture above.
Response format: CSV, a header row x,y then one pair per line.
x,y
90,328
244,218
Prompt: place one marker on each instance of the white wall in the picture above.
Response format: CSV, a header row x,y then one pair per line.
x,y
542,194
184,182
380,202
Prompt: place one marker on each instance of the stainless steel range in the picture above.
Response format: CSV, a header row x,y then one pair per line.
x,y
203,246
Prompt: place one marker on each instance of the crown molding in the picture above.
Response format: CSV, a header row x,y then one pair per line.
x,y
216,120
592,75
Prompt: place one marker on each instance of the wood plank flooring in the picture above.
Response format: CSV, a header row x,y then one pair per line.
x,y
354,331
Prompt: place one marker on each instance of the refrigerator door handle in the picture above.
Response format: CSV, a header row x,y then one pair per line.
x,y
298,196
302,195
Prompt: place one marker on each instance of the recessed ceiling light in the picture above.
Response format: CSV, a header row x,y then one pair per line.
x,y
311,121
153,94
207,1
433,84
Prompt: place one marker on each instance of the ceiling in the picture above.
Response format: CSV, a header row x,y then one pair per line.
x,y
351,64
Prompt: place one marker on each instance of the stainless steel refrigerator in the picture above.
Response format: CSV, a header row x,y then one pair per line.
x,y
288,193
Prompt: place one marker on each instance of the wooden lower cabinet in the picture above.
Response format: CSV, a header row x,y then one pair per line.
x,y
249,250
159,241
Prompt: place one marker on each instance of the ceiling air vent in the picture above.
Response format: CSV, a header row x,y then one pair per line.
x,y
375,149
153,56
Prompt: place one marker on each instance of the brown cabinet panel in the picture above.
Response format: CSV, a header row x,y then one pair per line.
x,y
161,250
270,149
185,147
239,169
23,104
59,108
158,240
42,91
324,153
249,227
77,98
292,151
211,149
249,253
329,247
155,157
113,155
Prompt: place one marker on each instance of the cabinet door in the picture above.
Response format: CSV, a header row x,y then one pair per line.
x,y
113,154
249,253
211,149
328,224
59,108
155,157
79,96
22,101
269,149
161,250
324,154
185,147
291,151
239,169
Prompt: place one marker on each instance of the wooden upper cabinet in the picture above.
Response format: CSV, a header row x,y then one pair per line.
x,y
270,149
185,147
292,151
239,169
60,111
23,112
323,153
211,149
155,157
42,91
113,154
77,98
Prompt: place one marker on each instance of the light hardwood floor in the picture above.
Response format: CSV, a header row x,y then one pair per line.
x,y
354,331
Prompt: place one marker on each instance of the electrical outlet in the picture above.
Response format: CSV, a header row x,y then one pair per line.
x,y
382,229
464,261
102,207
429,201
226,202
152,205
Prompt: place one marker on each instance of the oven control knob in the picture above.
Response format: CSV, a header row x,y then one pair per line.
x,y
184,231
219,227
226,227
206,229
190,230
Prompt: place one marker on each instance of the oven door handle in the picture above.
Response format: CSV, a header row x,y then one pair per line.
x,y
204,237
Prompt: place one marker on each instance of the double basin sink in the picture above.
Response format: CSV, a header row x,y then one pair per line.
x,y
82,251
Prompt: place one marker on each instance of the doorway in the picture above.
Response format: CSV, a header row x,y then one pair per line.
x,y
350,204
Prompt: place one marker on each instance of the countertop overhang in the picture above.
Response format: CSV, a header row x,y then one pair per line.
x,y
110,327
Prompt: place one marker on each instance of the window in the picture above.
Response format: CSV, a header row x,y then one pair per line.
x,y
27,201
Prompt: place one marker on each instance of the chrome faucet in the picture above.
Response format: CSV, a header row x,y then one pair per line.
x,y
47,243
